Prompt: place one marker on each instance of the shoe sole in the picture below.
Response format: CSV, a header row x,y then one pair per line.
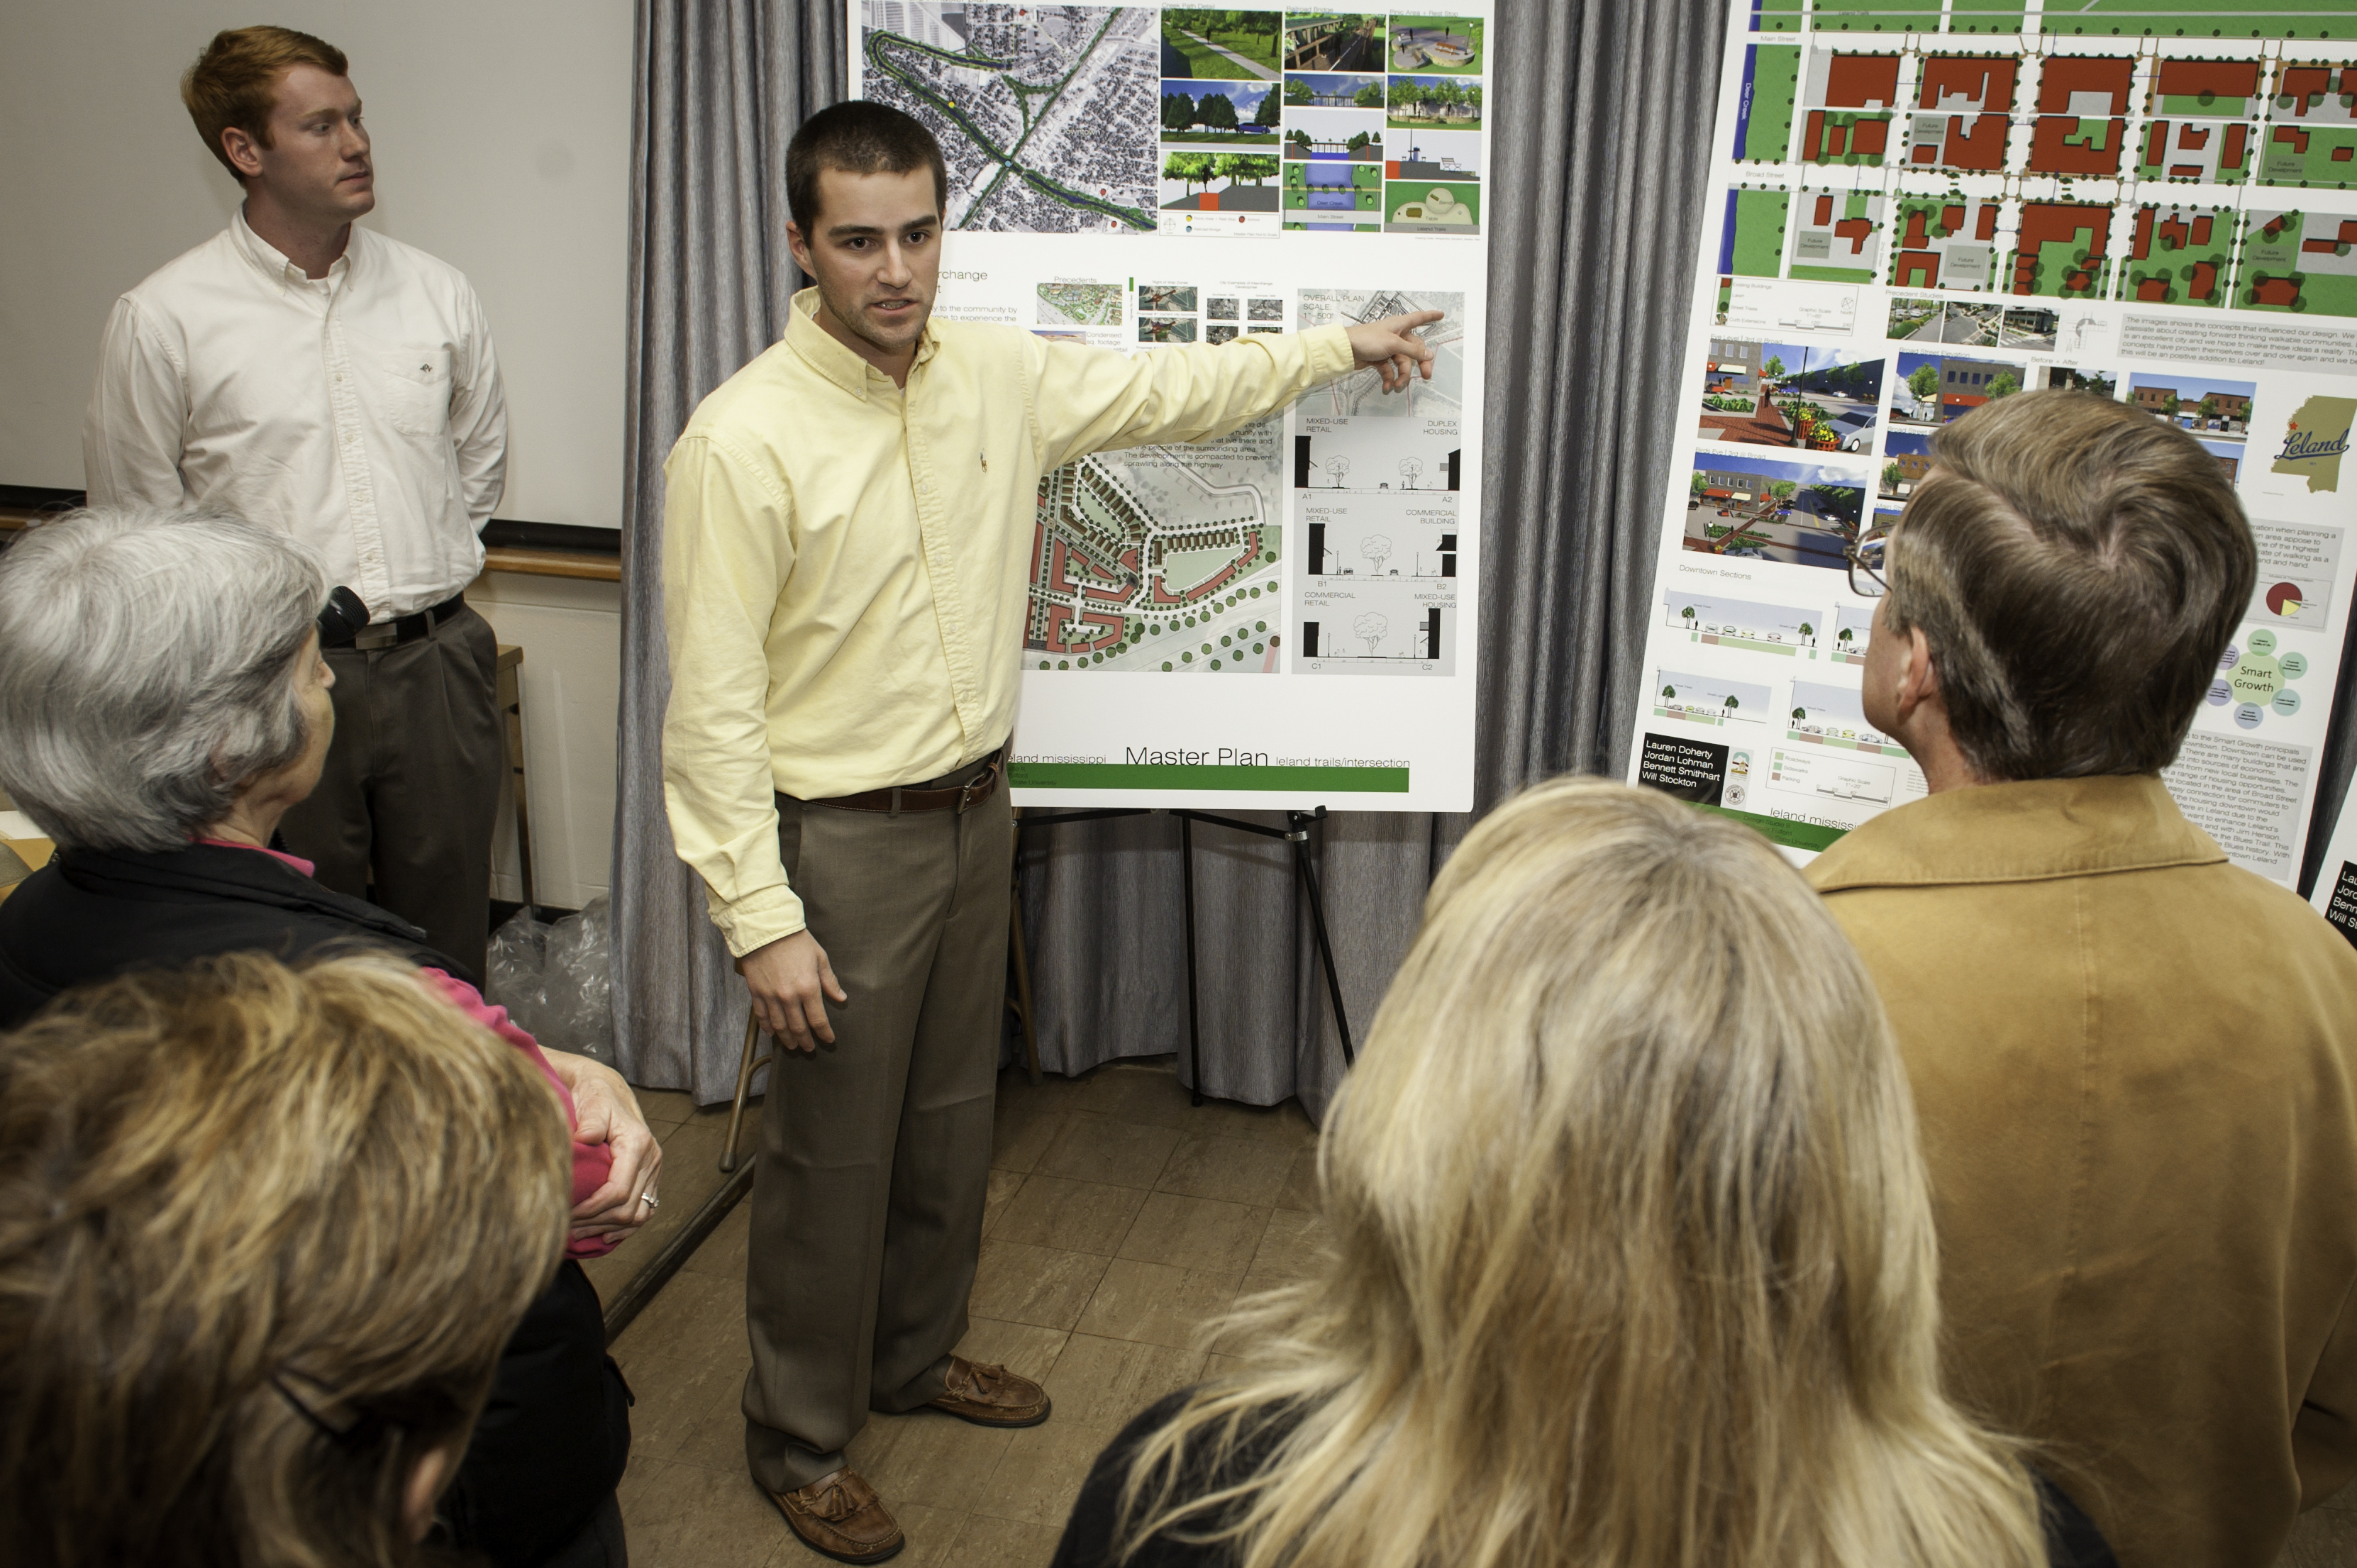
x,y
1045,1412
884,1556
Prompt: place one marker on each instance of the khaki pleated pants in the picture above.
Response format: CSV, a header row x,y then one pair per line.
x,y
867,1201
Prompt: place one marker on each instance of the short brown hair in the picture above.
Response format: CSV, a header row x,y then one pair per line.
x,y
2077,566
262,1234
236,82
859,137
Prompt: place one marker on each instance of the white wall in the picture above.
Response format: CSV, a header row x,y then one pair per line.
x,y
502,135
570,632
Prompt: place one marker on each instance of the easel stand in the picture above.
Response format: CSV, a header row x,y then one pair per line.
x,y
1295,832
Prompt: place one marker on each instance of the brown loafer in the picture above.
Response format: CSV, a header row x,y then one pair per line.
x,y
991,1396
840,1516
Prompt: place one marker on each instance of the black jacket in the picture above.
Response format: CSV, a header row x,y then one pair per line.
x,y
2071,1539
556,1432
94,914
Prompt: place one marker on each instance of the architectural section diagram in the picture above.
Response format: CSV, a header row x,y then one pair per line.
x,y
1376,627
1047,115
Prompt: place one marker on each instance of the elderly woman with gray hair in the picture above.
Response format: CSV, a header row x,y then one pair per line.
x,y
162,703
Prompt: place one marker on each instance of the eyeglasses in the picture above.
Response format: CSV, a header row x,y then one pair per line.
x,y
1866,568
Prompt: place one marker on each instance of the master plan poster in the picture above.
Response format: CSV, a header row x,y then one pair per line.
x,y
1285,616
1918,206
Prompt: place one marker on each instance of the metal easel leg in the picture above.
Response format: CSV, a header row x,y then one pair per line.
x,y
746,1067
1194,1028
1299,821
1022,958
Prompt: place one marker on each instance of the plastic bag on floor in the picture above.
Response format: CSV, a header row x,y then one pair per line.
x,y
558,980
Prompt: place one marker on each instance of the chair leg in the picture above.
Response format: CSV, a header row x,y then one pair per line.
x,y
1022,982
746,1067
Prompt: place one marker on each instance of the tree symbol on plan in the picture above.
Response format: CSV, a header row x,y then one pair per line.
x,y
1411,469
1807,631
1370,628
1801,716
1334,469
1377,549
1669,693
1687,614
1729,704
1842,637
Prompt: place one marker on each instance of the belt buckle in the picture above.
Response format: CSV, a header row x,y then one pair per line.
x,y
976,787
385,634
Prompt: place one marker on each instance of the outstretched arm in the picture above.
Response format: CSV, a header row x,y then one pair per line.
x,y
1095,400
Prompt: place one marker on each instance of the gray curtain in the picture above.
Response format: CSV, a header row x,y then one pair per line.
x,y
1597,187
721,86
1600,152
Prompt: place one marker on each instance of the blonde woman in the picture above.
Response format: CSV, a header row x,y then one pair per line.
x,y
1632,1257
263,1235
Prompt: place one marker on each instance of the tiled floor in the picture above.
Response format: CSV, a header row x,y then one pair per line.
x,y
1121,1219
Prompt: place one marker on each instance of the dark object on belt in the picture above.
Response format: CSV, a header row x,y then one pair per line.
x,y
396,633
344,618
973,792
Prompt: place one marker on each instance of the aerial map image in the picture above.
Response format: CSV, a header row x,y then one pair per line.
x,y
1081,303
1162,558
1047,115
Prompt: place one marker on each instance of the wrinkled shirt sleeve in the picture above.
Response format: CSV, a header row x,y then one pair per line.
x,y
727,549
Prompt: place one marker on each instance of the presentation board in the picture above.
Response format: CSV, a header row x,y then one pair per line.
x,y
1920,207
1135,176
2335,897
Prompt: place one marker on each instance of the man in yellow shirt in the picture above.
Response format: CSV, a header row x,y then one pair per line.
x,y
845,575
2132,1060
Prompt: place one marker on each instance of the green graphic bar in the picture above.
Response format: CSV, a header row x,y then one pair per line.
x,y
1783,829
1180,775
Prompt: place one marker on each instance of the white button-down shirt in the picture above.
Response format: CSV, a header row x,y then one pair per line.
x,y
361,411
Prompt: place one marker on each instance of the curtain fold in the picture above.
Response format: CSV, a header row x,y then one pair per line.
x,y
721,84
1597,187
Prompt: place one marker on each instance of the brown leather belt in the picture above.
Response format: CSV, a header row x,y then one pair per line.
x,y
973,792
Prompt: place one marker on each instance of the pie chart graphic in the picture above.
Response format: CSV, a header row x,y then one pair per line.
x,y
2285,598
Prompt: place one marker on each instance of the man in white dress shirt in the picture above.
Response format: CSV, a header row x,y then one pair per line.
x,y
299,370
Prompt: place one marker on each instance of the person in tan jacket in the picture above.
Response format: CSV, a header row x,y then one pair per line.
x,y
2132,1061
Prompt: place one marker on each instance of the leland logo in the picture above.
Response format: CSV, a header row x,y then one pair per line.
x,y
2316,441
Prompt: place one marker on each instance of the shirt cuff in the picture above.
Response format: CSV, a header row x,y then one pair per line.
x,y
1330,351
757,920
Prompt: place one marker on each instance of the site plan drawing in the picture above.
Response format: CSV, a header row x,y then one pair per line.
x,y
1159,559
1920,207
1208,182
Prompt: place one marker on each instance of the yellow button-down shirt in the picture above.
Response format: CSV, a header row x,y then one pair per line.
x,y
846,564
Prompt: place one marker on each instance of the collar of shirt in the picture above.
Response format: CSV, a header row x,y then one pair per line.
x,y
2031,831
824,353
284,275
